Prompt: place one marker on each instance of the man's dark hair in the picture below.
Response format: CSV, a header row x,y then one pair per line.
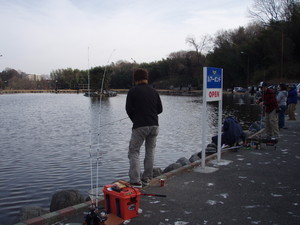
x,y
263,84
283,86
140,74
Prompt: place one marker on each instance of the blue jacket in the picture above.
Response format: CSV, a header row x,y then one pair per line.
x,y
232,130
292,96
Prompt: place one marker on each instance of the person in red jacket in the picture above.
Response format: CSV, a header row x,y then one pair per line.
x,y
269,102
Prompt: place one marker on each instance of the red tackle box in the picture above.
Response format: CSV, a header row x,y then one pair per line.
x,y
123,202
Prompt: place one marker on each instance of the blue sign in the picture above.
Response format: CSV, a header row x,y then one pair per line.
x,y
214,77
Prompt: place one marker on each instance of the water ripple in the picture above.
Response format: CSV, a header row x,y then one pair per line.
x,y
45,141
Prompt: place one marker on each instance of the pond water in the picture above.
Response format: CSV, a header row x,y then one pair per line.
x,y
47,139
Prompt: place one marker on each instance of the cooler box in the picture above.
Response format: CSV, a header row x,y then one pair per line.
x,y
123,203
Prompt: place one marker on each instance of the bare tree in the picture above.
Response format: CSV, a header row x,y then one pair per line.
x,y
202,46
272,10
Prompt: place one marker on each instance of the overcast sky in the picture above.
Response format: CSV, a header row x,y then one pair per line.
x,y
38,36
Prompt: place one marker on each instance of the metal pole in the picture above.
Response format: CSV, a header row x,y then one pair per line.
x,y
204,121
220,113
219,131
282,44
204,108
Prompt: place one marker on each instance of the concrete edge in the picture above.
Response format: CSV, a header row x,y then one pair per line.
x,y
156,180
56,216
61,214
50,218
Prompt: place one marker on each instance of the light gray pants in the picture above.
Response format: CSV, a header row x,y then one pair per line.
x,y
138,136
272,124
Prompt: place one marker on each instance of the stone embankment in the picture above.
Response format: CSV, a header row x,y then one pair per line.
x,y
68,202
63,91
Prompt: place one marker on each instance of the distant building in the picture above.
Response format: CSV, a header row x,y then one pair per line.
x,y
34,77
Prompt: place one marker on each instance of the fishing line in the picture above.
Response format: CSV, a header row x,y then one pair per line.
x,y
99,126
106,124
90,130
261,113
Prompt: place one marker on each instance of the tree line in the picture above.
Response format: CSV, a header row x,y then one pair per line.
x,y
267,49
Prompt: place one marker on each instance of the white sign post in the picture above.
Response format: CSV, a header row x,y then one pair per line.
x,y
212,91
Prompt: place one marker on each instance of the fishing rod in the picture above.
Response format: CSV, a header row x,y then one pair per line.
x,y
116,188
232,147
262,110
119,189
106,124
155,195
90,131
99,126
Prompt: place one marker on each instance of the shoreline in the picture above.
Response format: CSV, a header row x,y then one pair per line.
x,y
119,91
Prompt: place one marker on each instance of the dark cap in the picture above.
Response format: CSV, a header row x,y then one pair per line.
x,y
283,86
140,74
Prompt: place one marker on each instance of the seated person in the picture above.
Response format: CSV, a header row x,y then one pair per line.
x,y
232,132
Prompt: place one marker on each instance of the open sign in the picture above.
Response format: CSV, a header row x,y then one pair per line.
x,y
212,83
214,94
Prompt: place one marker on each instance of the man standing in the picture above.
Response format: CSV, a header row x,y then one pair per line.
x,y
143,105
270,104
292,102
281,99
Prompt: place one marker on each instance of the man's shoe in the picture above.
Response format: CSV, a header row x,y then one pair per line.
x,y
266,136
212,145
136,185
145,182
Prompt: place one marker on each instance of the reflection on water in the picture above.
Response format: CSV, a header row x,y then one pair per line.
x,y
46,141
242,107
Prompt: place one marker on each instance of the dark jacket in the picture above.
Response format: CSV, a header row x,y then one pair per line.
x,y
232,132
143,105
292,96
